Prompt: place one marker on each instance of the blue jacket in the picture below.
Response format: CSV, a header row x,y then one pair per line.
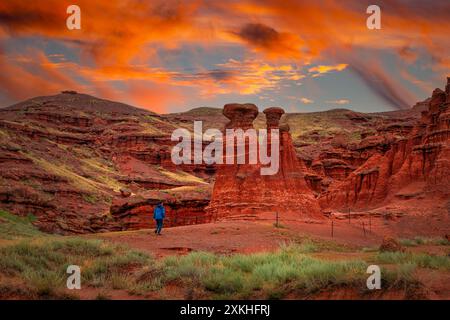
x,y
159,212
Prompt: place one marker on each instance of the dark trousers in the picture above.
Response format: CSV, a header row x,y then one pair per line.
x,y
159,225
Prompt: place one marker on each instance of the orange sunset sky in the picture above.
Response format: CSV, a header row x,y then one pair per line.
x,y
170,56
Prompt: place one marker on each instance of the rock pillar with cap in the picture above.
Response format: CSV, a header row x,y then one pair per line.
x,y
241,192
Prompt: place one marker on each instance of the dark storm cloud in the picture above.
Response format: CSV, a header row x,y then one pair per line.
x,y
259,34
20,20
216,74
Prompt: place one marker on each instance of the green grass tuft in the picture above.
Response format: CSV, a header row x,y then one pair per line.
x,y
239,276
421,260
424,241
13,227
42,264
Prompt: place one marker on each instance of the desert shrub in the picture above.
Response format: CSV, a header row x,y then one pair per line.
x,y
223,280
140,288
402,277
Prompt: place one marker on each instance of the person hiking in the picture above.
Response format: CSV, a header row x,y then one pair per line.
x,y
159,213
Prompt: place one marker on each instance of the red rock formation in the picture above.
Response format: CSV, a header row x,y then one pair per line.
x,y
183,207
65,157
240,191
420,163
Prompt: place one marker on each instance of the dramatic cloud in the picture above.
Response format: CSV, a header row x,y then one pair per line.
x,y
232,48
260,35
270,41
325,69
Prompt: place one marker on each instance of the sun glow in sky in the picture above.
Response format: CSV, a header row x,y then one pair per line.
x,y
170,56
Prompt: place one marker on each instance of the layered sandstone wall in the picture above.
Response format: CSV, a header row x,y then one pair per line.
x,y
184,206
419,164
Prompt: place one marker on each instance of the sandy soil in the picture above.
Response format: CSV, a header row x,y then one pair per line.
x,y
239,237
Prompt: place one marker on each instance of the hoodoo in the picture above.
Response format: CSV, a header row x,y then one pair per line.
x,y
240,191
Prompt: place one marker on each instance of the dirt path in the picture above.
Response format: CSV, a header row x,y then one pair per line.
x,y
238,237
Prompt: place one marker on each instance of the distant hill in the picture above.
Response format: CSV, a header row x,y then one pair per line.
x,y
83,102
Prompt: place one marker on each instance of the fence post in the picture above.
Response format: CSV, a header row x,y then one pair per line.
x,y
348,215
276,223
332,227
364,229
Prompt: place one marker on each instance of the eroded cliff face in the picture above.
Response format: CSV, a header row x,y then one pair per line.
x,y
417,167
242,192
66,157
350,140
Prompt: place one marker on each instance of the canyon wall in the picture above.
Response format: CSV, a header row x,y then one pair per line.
x,y
414,167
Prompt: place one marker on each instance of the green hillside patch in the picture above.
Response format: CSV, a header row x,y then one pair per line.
x,y
181,176
416,241
13,227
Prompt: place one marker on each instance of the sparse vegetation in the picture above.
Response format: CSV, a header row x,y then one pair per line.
x,y
182,177
13,227
36,268
90,198
103,172
419,259
423,241
369,249
42,264
60,170
267,275
302,124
